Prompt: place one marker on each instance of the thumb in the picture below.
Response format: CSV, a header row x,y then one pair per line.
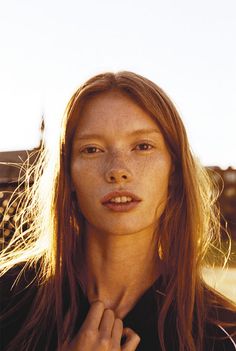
x,y
131,340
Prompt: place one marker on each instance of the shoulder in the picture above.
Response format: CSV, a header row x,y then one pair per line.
x,y
17,291
17,283
220,320
220,335
219,338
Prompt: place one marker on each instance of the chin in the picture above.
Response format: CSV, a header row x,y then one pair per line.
x,y
121,230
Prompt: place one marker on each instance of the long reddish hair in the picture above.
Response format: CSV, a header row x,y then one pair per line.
x,y
189,226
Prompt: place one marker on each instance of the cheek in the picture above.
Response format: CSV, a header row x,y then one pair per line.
x,y
78,178
80,174
157,186
158,172
84,180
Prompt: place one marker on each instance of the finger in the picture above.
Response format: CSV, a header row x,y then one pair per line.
x,y
117,333
107,322
132,340
94,316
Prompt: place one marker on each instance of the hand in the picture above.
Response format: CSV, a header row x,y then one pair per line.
x,y
101,331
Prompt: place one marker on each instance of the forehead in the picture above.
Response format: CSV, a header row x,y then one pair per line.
x,y
113,110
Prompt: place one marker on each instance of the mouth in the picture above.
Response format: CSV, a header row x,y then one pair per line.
x,y
120,196
121,207
120,201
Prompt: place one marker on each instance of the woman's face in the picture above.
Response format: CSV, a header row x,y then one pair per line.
x,y
119,158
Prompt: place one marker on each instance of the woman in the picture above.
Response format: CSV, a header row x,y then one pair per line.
x,y
120,229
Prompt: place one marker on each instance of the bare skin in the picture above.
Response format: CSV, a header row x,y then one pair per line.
x,y
121,259
136,274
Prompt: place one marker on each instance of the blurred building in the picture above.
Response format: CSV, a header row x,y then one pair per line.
x,y
227,199
10,178
10,173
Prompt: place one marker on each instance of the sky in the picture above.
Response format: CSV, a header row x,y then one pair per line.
x,y
49,47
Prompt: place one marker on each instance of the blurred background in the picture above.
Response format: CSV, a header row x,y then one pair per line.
x,y
48,48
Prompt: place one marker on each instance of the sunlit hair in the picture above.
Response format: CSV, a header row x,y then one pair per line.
x,y
189,228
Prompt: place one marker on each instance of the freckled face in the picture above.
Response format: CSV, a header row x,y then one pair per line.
x,y
119,160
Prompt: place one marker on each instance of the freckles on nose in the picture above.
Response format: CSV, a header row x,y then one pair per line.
x,y
115,161
116,168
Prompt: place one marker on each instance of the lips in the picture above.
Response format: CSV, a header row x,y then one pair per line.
x,y
117,193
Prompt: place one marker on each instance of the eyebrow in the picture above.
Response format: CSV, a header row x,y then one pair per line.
x,y
133,133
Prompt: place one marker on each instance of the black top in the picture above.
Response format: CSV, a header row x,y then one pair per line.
x,y
142,318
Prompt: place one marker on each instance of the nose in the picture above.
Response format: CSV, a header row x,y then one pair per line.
x,y
116,168
118,175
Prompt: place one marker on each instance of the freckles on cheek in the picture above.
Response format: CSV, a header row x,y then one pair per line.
x,y
143,167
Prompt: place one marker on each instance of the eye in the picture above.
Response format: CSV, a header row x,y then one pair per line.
x,y
94,150
90,150
145,146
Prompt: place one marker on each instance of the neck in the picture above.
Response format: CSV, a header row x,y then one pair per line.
x,y
119,268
